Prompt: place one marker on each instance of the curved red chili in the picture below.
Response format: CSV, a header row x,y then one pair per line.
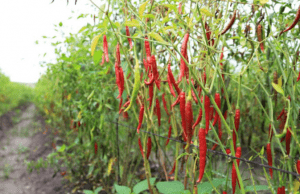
x,y
259,37
158,111
182,112
229,24
207,112
141,116
233,174
169,135
184,54
151,76
202,153
198,119
105,48
189,119
172,80
173,169
288,140
96,147
141,147
129,39
298,166
281,113
218,102
149,145
297,18
165,103
269,156
170,86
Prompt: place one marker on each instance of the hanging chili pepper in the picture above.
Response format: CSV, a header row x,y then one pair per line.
x,y
141,116
158,111
229,24
151,79
202,153
183,53
269,154
105,48
233,174
149,145
148,51
120,105
172,80
170,86
236,124
259,37
155,72
173,169
96,148
141,147
169,135
176,101
136,87
198,119
298,77
288,140
150,94
298,166
224,192
165,103
270,132
129,39
297,18
207,112
189,118
179,8
218,102
281,113
182,112
228,151
283,189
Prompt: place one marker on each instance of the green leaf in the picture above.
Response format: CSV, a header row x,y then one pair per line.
x,y
142,8
263,1
97,57
122,189
82,29
206,187
278,88
98,190
91,95
88,192
94,43
174,187
62,148
183,154
149,16
132,23
60,24
142,186
156,37
206,12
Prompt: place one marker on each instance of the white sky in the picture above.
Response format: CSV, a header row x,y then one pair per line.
x,y
24,22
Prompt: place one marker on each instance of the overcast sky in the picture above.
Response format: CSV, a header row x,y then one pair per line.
x,y
25,22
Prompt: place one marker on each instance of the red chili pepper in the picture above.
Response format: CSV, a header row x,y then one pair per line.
x,y
165,103
269,154
211,113
259,37
298,77
96,147
78,124
176,101
125,115
236,124
129,39
182,112
225,115
63,173
189,119
207,112
141,116
155,72
202,153
118,56
141,147
297,18
288,140
183,52
169,135
170,86
173,169
281,113
283,189
151,79
179,8
158,111
228,151
218,102
148,51
233,174
105,48
229,24
224,192
150,94
298,166
270,132
172,80
149,145
198,119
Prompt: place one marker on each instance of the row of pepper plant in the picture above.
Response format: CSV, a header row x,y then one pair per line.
x,y
208,73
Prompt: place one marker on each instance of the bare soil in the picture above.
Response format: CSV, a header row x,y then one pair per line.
x,y
21,137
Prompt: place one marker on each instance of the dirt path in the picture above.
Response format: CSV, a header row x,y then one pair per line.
x,y
25,140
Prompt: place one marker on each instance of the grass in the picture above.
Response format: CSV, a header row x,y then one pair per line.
x,y
6,171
